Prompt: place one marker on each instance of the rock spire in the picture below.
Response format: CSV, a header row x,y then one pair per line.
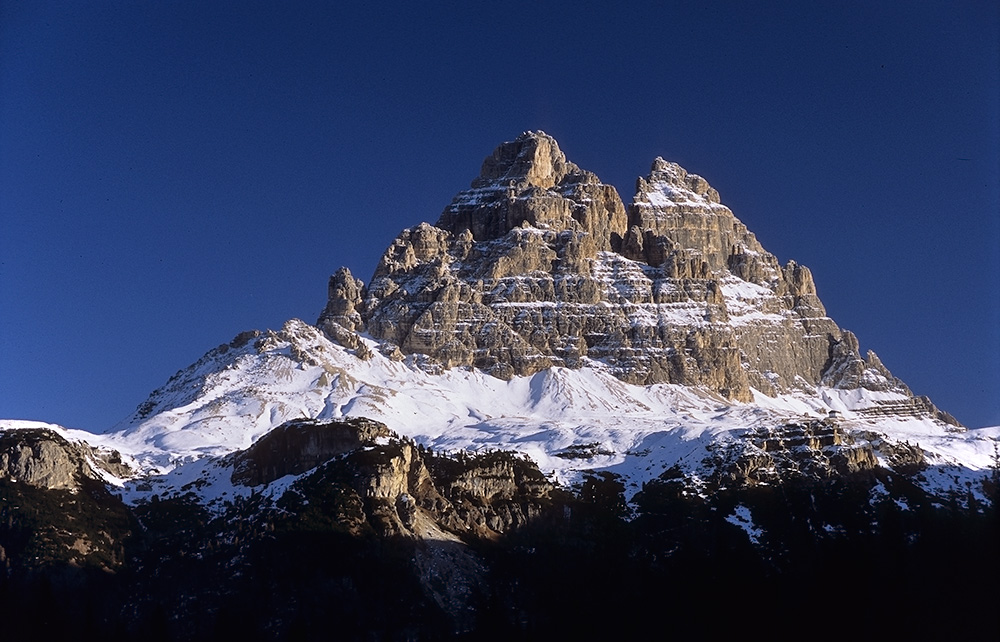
x,y
529,180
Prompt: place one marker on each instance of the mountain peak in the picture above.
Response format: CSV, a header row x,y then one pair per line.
x,y
539,264
528,180
674,182
533,157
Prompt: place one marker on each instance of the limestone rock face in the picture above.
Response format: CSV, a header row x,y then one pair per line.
x,y
345,295
529,180
685,209
39,458
819,449
539,264
43,459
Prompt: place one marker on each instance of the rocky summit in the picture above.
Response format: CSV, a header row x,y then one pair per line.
x,y
539,264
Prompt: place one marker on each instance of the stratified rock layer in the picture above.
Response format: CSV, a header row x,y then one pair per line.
x,y
539,264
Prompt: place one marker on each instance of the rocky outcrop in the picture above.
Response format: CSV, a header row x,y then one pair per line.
x,y
539,264
365,479
56,513
392,486
491,493
846,368
814,450
919,407
40,458
43,459
299,446
341,318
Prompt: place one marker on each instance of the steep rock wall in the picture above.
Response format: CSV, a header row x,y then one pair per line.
x,y
539,264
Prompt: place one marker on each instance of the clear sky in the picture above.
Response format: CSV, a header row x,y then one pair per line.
x,y
172,173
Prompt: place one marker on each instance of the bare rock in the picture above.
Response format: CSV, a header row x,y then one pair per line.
x,y
816,450
42,458
846,368
529,180
298,446
344,298
400,489
685,209
538,264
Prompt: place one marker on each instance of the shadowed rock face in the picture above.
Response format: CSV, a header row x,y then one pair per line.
x,y
295,447
383,539
539,264
402,489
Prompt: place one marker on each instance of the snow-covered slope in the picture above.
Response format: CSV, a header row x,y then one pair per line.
x,y
567,421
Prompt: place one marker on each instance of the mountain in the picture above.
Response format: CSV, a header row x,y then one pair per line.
x,y
539,264
544,406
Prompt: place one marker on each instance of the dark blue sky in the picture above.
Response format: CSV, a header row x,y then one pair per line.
x,y
172,173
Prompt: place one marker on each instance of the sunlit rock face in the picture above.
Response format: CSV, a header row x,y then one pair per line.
x,y
529,180
539,264
43,459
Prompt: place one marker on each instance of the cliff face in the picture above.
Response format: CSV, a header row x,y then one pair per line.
x,y
397,488
539,264
530,181
363,480
42,459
